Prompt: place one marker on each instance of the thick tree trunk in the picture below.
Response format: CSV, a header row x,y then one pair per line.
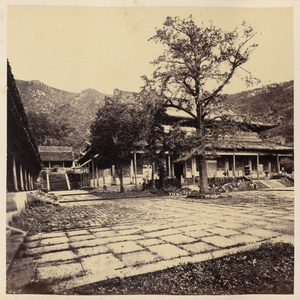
x,y
203,184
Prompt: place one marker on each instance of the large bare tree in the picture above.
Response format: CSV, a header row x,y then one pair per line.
x,y
196,64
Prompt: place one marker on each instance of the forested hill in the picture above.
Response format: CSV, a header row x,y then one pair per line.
x,y
59,117
272,103
63,118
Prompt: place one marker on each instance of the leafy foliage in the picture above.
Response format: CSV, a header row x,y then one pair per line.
x,y
116,131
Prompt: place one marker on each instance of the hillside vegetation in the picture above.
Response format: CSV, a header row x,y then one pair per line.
x,y
274,104
59,117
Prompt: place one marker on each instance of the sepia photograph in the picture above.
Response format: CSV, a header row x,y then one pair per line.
x,y
149,149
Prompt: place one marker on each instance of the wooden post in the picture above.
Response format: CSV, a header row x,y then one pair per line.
x,y
26,180
194,169
103,176
257,160
113,173
169,167
15,179
185,169
68,181
270,167
87,174
31,182
135,169
278,165
81,181
97,176
250,165
233,165
93,174
131,171
172,169
226,169
21,178
48,181
153,175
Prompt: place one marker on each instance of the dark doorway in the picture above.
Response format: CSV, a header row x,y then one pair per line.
x,y
178,170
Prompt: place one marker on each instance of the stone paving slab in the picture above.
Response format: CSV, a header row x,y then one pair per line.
x,y
77,238
52,241
222,231
89,251
160,233
219,241
263,233
167,251
78,232
178,239
137,258
198,247
102,265
124,247
57,256
135,237
59,271
46,249
150,242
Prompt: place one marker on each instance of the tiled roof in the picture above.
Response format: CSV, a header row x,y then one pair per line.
x,y
56,153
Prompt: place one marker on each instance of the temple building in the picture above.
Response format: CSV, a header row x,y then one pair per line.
x,y
244,154
23,159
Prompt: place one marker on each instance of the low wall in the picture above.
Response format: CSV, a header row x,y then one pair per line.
x,y
15,203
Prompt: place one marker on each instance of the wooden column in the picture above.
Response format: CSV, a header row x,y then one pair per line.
x,y
135,169
226,168
194,169
278,164
270,167
169,167
250,164
113,173
15,178
21,178
93,174
80,174
97,176
103,176
172,170
185,169
257,162
48,181
233,165
89,175
68,181
26,180
131,171
31,181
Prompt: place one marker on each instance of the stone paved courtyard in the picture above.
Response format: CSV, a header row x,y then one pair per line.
x,y
118,238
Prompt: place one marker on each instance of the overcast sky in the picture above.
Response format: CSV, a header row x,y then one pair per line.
x,y
76,48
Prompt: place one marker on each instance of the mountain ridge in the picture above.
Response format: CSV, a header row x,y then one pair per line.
x,y
59,117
